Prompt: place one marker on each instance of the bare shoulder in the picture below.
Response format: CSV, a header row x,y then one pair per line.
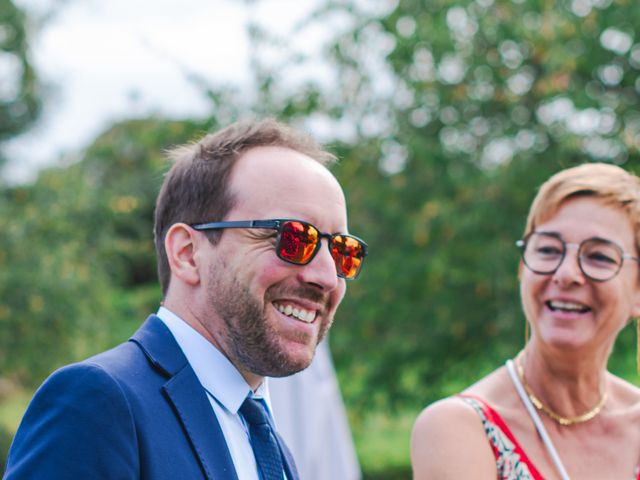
x,y
628,392
448,441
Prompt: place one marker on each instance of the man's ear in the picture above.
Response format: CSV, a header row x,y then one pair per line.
x,y
181,245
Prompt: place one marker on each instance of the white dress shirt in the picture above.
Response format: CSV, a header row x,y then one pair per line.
x,y
225,387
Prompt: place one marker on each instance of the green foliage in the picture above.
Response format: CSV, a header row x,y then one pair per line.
x,y
5,442
77,256
13,402
382,443
124,168
48,291
19,91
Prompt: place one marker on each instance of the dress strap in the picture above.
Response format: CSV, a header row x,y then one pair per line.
x,y
537,421
511,460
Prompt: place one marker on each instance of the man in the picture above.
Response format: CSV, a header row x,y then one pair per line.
x,y
252,271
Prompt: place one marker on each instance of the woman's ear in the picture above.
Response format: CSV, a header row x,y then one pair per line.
x,y
181,244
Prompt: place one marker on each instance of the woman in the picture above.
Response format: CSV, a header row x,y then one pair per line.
x,y
554,411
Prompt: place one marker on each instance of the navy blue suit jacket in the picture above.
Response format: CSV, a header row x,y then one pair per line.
x,y
134,412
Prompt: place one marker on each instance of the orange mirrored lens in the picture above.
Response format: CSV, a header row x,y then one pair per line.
x,y
347,254
297,243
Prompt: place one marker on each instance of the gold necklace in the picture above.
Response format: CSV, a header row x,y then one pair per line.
x,y
564,421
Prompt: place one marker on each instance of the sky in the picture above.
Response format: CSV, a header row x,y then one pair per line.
x,y
107,60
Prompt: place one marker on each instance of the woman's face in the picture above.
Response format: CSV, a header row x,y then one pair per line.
x,y
569,310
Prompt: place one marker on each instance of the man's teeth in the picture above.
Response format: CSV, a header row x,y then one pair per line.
x,y
299,313
567,306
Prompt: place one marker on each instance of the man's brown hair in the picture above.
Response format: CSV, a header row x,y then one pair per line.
x,y
196,188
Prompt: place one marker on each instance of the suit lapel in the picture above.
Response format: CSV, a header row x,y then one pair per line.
x,y
202,427
188,399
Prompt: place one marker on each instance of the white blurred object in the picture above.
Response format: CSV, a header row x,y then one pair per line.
x,y
311,417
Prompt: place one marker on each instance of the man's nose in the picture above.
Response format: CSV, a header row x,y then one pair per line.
x,y
321,271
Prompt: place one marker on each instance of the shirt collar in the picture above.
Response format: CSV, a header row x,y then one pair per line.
x,y
214,371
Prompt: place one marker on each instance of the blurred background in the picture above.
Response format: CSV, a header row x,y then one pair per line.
x,y
446,115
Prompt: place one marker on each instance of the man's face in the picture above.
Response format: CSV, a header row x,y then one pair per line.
x,y
268,315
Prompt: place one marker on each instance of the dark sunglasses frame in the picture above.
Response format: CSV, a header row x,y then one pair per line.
x,y
278,224
522,245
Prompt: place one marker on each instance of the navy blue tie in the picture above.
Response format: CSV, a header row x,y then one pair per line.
x,y
263,440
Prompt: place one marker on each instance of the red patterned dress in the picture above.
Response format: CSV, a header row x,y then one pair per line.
x,y
511,461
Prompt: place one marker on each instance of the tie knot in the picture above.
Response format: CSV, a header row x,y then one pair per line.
x,y
253,412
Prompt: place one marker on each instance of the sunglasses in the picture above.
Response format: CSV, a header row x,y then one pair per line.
x,y
298,242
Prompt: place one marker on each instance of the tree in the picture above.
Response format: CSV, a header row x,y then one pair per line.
x,y
19,90
77,261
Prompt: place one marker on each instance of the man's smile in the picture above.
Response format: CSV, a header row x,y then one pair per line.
x,y
302,314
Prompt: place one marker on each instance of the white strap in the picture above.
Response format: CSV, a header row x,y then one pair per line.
x,y
536,421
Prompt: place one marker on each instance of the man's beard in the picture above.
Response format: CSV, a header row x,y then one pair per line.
x,y
250,340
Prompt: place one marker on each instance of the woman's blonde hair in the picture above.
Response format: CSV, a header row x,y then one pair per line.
x,y
613,185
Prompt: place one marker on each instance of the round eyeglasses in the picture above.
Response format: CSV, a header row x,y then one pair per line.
x,y
598,259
